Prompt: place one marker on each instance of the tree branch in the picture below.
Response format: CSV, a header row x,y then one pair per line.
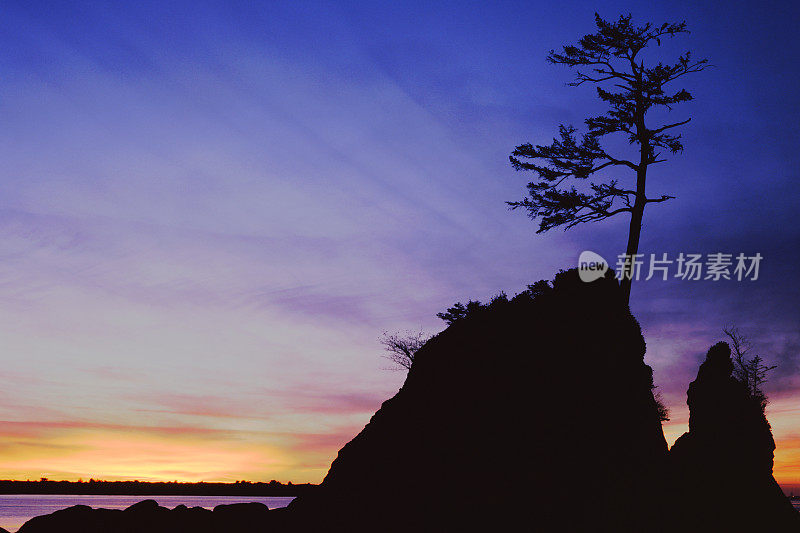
x,y
663,198
659,130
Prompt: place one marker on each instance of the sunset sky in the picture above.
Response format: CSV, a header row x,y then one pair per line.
x,y
211,211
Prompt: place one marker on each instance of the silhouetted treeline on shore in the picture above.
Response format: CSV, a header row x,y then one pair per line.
x,y
166,488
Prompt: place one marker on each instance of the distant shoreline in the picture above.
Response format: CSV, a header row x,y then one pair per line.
x,y
158,488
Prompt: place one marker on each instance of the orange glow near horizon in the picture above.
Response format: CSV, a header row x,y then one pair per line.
x,y
784,417
70,452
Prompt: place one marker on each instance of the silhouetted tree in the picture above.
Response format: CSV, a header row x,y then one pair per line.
x,y
751,371
459,311
612,61
402,349
499,299
539,288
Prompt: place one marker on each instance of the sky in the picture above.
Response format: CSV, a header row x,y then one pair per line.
x,y
211,212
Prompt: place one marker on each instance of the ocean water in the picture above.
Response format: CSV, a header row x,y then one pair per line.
x,y
16,509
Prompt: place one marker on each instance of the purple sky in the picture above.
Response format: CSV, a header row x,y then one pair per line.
x,y
212,211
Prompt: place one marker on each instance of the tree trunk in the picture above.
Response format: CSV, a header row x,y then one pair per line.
x,y
637,213
633,248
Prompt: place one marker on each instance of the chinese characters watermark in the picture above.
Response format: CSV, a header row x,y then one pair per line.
x,y
686,266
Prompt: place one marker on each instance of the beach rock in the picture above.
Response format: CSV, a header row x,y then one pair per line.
x,y
240,516
146,506
148,516
73,519
724,463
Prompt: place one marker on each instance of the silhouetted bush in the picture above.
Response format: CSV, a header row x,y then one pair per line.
x,y
459,311
750,371
401,349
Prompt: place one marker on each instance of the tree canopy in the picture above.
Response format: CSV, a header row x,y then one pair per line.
x,y
610,59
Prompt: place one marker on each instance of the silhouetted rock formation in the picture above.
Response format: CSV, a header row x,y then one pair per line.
x,y
724,463
148,516
536,412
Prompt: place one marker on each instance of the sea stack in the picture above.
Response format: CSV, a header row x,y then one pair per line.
x,y
724,463
535,413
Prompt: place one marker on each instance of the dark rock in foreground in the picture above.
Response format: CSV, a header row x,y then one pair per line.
x,y
724,463
148,516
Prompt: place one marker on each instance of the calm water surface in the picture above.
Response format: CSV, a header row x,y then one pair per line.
x,y
16,509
